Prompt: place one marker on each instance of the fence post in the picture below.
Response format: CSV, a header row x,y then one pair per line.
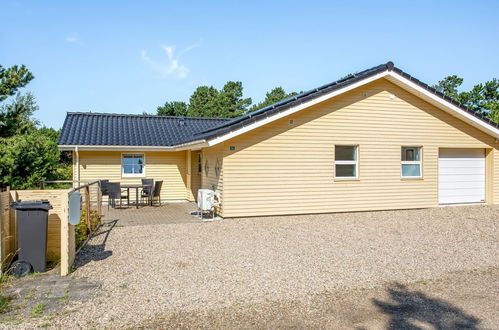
x,y
99,200
65,236
3,237
87,207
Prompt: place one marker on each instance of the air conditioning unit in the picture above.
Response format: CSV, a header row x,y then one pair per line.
x,y
207,201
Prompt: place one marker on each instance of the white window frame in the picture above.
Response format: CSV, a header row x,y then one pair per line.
x,y
133,175
200,163
347,162
412,162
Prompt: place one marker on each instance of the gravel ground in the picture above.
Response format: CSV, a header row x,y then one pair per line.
x,y
150,272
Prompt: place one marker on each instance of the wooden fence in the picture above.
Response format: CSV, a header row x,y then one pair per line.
x,y
60,236
8,245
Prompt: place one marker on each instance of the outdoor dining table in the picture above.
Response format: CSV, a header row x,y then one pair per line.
x,y
136,186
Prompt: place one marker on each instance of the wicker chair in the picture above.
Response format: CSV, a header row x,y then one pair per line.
x,y
157,192
114,193
147,191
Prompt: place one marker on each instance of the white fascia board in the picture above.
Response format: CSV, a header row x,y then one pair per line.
x,y
447,106
185,146
294,109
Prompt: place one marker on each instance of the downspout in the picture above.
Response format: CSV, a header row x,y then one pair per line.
x,y
77,166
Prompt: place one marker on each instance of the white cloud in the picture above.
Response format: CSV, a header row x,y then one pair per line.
x,y
172,65
73,39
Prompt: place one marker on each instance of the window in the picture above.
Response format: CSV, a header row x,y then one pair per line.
x,y
132,165
346,162
200,163
411,162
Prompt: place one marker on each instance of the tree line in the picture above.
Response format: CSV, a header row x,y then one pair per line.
x,y
28,150
228,102
482,98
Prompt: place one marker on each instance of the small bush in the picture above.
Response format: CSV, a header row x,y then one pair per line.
x,y
82,230
38,309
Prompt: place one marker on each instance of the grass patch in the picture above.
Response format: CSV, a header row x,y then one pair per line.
x,y
64,298
4,304
123,286
4,301
37,310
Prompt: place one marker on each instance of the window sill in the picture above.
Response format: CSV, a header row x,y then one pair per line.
x,y
345,179
132,176
411,179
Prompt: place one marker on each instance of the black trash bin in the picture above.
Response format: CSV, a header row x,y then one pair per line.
x,y
32,222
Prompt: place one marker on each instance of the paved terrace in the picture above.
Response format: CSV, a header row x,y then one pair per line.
x,y
167,213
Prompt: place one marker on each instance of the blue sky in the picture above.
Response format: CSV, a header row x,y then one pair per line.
x,y
131,56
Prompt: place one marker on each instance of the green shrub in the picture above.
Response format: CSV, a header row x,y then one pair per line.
x,y
4,304
82,230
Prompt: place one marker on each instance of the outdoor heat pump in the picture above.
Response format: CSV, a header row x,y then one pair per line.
x,y
207,201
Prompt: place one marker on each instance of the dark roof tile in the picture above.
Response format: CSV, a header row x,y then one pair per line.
x,y
82,128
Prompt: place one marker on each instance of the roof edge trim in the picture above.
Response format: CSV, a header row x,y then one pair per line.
x,y
179,147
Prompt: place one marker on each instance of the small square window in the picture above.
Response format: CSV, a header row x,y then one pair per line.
x,y
411,162
132,165
346,162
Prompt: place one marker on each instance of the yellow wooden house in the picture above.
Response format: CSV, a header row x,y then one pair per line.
x,y
376,140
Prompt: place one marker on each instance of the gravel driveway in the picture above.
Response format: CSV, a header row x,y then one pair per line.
x,y
150,272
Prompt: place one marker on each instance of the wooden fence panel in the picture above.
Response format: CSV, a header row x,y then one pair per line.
x,y
61,242
7,235
55,215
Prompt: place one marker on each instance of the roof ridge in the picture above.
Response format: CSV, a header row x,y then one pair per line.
x,y
110,114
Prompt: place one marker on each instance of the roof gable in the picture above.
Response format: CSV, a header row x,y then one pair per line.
x,y
388,71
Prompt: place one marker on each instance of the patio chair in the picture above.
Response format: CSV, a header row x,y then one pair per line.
x,y
147,192
114,193
103,187
157,192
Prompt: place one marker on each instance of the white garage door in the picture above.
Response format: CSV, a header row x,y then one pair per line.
x,y
461,176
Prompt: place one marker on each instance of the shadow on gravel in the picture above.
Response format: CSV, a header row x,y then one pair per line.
x,y
415,310
96,252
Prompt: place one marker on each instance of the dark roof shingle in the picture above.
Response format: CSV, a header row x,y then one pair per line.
x,y
82,128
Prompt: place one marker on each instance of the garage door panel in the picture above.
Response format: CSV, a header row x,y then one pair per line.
x,y
461,176
462,153
462,162
462,199
459,171
476,192
471,178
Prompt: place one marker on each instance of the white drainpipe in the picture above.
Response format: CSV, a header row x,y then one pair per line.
x,y
77,166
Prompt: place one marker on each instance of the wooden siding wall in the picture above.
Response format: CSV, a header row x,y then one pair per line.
x,y
284,168
167,166
195,175
211,179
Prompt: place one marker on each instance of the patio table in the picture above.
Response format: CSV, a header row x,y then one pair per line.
x,y
136,187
